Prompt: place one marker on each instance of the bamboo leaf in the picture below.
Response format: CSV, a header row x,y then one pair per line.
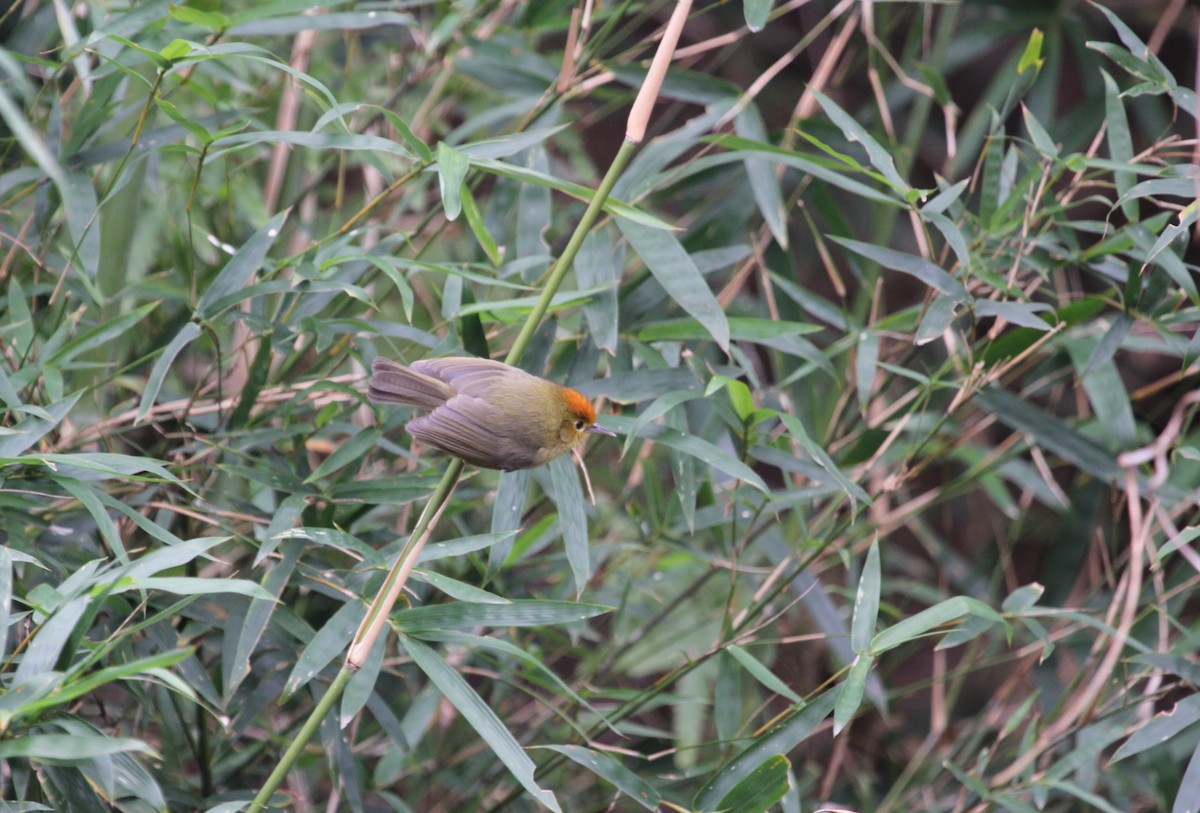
x,y
608,768
520,613
452,173
186,335
798,726
924,270
675,271
765,786
241,266
481,717
562,481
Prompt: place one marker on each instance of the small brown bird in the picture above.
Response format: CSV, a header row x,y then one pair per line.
x,y
486,412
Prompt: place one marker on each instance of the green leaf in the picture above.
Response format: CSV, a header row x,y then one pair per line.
x,y
1031,57
186,335
779,739
20,321
520,613
866,602
938,318
95,507
919,267
879,155
698,448
241,266
83,222
212,20
511,144
742,328
352,451
1187,798
759,171
99,336
765,786
457,589
608,768
1161,729
193,586
564,489
583,193
452,168
656,409
67,748
43,653
361,687
760,672
100,466
326,21
6,596
741,398
481,717
151,667
257,616
31,141
176,49
505,648
757,12
329,642
796,429
597,268
29,431
940,614
1037,133
675,271
177,553
341,541
1050,433
226,143
738,145
461,546
1120,144
479,228
850,694
507,509
1019,313
1024,597
683,470
866,362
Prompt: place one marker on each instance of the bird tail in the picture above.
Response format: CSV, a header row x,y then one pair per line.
x,y
394,383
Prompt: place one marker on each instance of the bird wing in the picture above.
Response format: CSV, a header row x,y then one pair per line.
x,y
467,427
469,375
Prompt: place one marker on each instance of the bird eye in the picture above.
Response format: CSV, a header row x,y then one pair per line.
x,y
579,425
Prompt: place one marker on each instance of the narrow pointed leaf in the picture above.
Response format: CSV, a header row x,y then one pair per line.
x,y
606,767
242,266
481,717
780,739
676,272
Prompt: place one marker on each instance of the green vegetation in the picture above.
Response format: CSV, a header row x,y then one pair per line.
x,y
894,316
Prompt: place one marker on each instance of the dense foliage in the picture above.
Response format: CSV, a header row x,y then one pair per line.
x,y
893,313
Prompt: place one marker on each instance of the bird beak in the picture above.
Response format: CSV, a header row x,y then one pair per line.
x,y
601,430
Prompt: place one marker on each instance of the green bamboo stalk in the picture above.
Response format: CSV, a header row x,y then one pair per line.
x,y
568,256
381,608
301,740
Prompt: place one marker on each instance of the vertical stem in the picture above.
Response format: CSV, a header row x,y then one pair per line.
x,y
377,614
301,739
568,256
381,607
